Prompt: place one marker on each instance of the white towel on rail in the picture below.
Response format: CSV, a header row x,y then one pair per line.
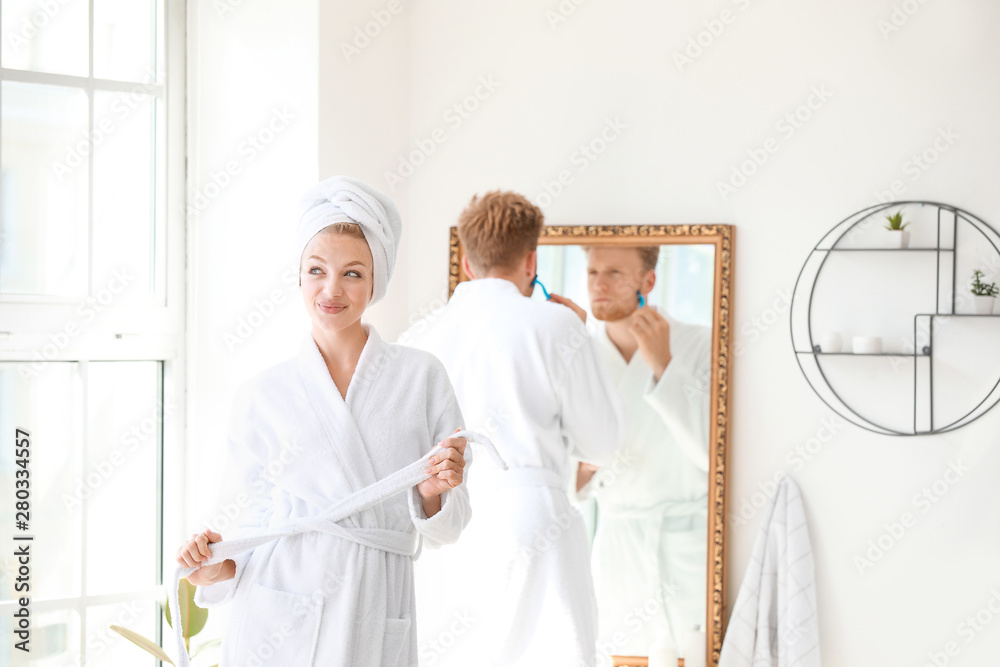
x,y
774,619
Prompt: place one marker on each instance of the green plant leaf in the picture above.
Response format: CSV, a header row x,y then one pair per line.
x,y
193,617
896,221
212,643
142,643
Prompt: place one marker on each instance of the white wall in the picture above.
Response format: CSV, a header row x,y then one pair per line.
x,y
684,130
364,104
252,136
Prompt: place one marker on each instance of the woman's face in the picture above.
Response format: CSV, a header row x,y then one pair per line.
x,y
337,280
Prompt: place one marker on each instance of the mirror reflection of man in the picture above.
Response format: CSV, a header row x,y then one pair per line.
x,y
649,549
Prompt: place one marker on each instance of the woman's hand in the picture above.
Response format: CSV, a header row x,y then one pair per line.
x,y
446,469
195,550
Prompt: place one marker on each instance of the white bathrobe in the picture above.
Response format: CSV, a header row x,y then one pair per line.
x,y
296,447
650,545
527,375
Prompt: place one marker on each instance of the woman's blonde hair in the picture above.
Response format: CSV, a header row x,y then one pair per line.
x,y
351,229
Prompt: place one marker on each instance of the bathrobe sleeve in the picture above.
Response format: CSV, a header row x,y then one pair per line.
x,y
245,489
444,416
593,417
681,396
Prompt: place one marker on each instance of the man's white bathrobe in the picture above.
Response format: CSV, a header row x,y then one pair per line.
x,y
527,375
650,546
344,597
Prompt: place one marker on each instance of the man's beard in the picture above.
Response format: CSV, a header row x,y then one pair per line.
x,y
612,312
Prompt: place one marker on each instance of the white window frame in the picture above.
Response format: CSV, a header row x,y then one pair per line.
x,y
152,332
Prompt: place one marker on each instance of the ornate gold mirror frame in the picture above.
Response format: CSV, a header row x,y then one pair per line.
x,y
721,236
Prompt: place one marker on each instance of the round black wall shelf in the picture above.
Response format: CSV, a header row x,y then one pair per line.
x,y
855,241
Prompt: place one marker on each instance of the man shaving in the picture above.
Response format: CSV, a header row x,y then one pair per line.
x,y
650,542
527,374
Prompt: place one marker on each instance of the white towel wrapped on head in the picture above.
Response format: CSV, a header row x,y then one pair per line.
x,y
343,199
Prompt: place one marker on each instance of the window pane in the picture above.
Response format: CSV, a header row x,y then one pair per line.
x,y
124,39
55,641
123,417
48,36
123,194
43,190
106,647
47,406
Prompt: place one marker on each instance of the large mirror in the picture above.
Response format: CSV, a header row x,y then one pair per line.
x,y
655,516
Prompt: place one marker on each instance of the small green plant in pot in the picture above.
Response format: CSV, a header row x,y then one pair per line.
x,y
898,236
193,619
985,295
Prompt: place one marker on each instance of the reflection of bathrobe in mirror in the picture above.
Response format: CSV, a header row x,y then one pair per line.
x,y
295,446
527,375
650,545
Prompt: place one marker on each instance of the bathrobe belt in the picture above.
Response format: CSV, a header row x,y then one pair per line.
x,y
667,509
519,476
392,541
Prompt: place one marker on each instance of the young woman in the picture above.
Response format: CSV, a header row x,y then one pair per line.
x,y
347,411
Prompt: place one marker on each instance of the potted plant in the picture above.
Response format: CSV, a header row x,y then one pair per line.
x,y
193,620
984,295
898,236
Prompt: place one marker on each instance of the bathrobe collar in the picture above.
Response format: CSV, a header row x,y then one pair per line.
x,y
479,287
613,356
337,414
